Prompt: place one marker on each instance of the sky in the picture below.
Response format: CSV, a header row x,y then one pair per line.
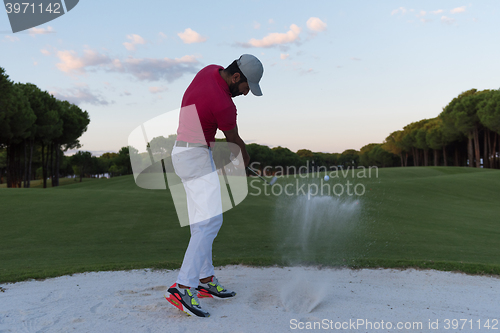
x,y
337,74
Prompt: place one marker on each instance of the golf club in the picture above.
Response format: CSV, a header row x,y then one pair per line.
x,y
265,181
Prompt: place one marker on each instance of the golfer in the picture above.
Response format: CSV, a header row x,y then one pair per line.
x,y
207,105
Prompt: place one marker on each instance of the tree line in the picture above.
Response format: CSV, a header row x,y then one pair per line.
x,y
83,164
466,130
463,134
33,123
36,128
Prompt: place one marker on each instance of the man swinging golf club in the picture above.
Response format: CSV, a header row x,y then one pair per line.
x,y
207,105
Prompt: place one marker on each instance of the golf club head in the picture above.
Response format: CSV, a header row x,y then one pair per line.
x,y
265,181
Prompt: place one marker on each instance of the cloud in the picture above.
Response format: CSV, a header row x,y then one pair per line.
x,y
79,96
274,39
400,9
307,71
422,13
134,40
45,52
190,36
11,38
156,90
271,21
447,20
458,10
127,93
425,20
144,69
435,12
148,69
40,31
284,56
256,25
72,63
162,35
355,59
315,24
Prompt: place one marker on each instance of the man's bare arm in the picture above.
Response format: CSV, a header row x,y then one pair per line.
x,y
233,137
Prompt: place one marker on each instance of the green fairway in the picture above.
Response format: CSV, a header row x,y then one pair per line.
x,y
436,217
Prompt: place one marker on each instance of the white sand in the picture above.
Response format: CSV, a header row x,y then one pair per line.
x,y
268,300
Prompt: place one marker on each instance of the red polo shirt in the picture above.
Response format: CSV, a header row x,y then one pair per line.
x,y
210,94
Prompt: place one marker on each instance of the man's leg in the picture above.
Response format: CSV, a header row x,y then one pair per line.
x,y
207,268
205,212
198,257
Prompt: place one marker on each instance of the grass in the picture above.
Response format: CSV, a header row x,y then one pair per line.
x,y
433,217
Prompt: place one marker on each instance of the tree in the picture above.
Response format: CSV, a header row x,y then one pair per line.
x,y
3,164
489,115
414,139
305,154
107,160
161,147
450,135
17,122
74,124
6,87
285,158
115,170
260,154
420,139
123,160
462,112
365,158
82,162
435,140
393,144
409,140
374,154
349,158
35,122
49,127
331,159
34,96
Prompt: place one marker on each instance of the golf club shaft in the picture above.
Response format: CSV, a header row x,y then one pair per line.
x,y
255,173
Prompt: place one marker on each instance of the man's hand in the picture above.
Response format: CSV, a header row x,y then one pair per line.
x,y
233,136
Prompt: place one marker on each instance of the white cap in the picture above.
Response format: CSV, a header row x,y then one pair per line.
x,y
252,68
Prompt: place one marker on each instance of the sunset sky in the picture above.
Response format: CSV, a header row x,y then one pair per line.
x,y
337,74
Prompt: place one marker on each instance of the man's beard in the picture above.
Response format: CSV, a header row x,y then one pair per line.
x,y
234,89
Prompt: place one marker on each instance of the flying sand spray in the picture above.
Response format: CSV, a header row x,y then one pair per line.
x,y
317,226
